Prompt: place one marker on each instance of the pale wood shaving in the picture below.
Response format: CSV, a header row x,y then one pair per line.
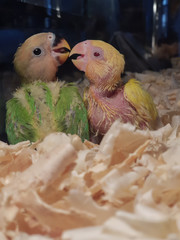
x,y
125,188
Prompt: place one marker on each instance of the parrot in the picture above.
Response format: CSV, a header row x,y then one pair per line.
x,y
107,97
43,104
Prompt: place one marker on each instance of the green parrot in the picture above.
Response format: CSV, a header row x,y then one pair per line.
x,y
43,104
2,111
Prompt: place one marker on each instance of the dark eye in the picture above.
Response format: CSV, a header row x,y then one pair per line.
x,y
50,37
96,54
37,51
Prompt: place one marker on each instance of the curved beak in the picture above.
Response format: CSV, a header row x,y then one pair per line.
x,y
61,50
78,56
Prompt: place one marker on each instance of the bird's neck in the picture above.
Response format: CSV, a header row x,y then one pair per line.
x,y
95,91
106,87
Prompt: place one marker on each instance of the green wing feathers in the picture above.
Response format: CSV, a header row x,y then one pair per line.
x,y
40,108
19,122
71,113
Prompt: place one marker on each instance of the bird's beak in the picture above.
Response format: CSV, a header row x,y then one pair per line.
x,y
78,56
61,50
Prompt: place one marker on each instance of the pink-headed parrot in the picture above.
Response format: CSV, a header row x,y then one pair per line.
x,y
107,97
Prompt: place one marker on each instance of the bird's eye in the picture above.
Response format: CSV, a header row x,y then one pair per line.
x,y
96,54
50,37
37,51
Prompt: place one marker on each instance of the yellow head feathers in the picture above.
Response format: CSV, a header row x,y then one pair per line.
x,y
101,62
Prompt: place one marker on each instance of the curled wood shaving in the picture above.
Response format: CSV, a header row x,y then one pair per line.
x,y
125,188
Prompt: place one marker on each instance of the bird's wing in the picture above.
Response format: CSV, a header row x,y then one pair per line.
x,y
71,114
29,113
140,100
19,122
85,97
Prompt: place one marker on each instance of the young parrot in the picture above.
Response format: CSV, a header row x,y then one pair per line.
x,y
42,104
107,98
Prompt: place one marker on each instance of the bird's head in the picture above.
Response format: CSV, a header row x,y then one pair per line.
x,y
101,62
39,57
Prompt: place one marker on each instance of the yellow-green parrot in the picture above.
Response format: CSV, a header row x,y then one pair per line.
x,y
107,98
42,104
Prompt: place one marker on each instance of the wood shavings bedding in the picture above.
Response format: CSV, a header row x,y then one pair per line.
x,y
125,188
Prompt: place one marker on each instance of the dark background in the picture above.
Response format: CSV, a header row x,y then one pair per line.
x,y
87,19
